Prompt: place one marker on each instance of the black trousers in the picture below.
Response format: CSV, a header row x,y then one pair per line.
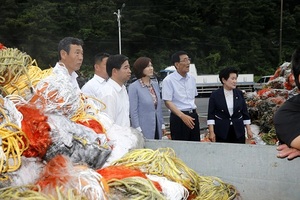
x,y
179,131
231,137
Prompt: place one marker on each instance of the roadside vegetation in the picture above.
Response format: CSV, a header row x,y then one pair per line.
x,y
244,34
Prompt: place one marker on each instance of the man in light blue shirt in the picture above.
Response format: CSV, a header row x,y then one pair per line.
x,y
179,92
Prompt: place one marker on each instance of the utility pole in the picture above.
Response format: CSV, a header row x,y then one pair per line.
x,y
280,33
119,25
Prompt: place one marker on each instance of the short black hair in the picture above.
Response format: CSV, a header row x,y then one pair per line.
x,y
99,57
65,44
225,73
296,66
115,61
176,56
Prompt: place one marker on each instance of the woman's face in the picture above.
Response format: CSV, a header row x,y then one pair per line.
x,y
148,71
230,83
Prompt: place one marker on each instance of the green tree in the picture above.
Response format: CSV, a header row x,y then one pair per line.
x,y
219,33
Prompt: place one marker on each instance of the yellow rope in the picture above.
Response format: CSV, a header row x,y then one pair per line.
x,y
163,162
31,192
135,188
13,63
23,85
82,115
13,145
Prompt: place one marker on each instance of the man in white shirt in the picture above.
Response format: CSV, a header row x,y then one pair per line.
x,y
114,94
70,54
60,92
94,86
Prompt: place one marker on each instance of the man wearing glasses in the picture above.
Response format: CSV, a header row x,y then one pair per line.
x,y
179,92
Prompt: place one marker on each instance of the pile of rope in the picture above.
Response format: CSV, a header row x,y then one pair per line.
x,y
30,192
163,162
48,123
128,183
13,64
19,73
13,143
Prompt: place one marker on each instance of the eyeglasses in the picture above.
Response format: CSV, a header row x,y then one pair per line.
x,y
185,60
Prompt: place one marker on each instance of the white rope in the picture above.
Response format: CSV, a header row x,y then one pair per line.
x,y
93,188
171,190
60,95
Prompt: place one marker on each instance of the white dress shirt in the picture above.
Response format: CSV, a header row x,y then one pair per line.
x,y
94,86
229,100
116,100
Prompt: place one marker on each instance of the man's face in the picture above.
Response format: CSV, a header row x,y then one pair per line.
x,y
124,73
72,60
183,66
101,68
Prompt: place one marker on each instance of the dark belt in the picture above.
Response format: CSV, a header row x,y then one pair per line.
x,y
189,111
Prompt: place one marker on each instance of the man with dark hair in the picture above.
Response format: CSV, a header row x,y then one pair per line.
x,y
178,92
114,93
59,92
286,118
70,55
94,86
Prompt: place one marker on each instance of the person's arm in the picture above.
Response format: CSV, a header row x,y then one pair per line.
x,y
159,107
188,120
211,133
133,108
167,93
249,131
210,118
287,152
246,117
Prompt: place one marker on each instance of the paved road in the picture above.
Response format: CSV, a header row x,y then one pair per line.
x,y
202,105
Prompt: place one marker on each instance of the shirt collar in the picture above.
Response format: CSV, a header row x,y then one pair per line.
x,y
60,67
74,75
179,77
99,78
143,84
115,85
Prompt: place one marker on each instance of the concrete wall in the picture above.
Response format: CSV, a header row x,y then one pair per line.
x,y
253,169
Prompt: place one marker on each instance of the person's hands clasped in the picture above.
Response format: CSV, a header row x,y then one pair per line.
x,y
285,151
188,120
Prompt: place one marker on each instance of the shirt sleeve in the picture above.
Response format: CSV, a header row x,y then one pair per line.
x,y
133,108
211,109
167,90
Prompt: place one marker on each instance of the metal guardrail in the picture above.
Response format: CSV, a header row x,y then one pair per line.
x,y
209,88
